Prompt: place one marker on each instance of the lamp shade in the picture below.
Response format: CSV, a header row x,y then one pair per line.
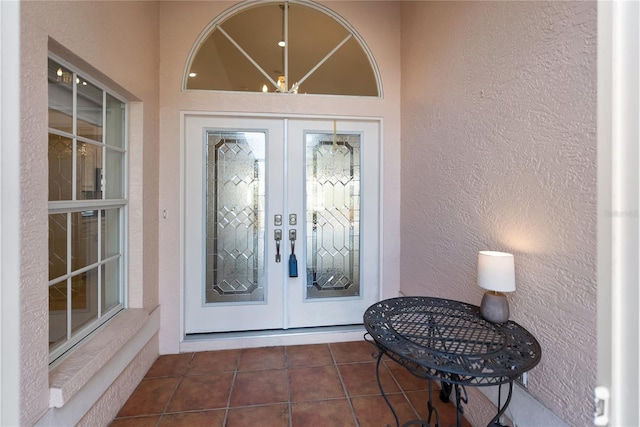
x,y
496,271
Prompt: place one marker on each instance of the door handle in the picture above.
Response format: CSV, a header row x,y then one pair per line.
x,y
293,262
277,236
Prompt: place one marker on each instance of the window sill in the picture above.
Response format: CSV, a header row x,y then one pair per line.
x,y
71,375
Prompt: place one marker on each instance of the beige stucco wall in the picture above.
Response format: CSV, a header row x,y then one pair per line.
x,y
120,40
181,23
499,153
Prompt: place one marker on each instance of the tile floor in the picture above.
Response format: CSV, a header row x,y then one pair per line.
x,y
323,385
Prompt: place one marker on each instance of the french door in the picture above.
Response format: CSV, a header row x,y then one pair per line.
x,y
281,222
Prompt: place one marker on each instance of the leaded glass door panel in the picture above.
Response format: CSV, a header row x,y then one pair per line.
x,y
234,185
233,182
333,215
247,180
338,165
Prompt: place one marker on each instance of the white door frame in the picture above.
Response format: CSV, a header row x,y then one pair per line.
x,y
291,336
618,211
10,219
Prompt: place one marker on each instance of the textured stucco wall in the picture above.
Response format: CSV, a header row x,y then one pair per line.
x,y
181,23
499,152
104,411
120,40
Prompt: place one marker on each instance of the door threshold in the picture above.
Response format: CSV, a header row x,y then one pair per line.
x,y
271,338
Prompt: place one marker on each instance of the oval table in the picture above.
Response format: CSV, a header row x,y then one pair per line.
x,y
449,341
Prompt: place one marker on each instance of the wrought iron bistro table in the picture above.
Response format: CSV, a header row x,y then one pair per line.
x,y
448,341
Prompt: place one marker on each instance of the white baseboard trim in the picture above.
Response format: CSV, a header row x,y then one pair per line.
x,y
208,342
524,409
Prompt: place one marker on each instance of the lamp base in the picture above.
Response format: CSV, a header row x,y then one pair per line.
x,y
494,307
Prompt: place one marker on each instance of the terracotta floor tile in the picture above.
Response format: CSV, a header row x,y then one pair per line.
x,y
301,386
329,413
408,381
136,422
360,379
170,365
373,411
255,359
315,383
269,415
209,391
356,351
150,397
194,419
259,388
213,361
308,355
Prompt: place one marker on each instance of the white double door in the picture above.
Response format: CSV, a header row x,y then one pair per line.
x,y
263,196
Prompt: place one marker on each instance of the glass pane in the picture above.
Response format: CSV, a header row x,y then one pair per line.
x,y
115,122
219,65
110,233
57,313
312,35
84,239
57,245
60,97
333,215
110,285
84,299
235,200
114,175
330,78
89,110
261,46
88,171
60,168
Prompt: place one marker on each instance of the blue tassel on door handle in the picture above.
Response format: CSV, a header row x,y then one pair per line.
x,y
293,262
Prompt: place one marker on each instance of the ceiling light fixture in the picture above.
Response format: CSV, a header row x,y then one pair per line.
x,y
63,76
281,43
192,74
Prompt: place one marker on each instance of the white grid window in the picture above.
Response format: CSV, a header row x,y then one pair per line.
x,y
87,206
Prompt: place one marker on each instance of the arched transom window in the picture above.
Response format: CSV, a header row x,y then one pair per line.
x,y
285,47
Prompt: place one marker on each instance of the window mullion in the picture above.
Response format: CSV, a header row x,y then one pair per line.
x,y
69,280
286,46
105,131
101,216
84,205
59,132
100,254
74,144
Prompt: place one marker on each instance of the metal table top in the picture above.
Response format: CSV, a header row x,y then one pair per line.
x,y
448,340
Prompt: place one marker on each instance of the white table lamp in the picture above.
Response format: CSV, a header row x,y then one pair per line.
x,y
496,274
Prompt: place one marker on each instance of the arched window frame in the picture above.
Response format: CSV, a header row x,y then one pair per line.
x,y
239,8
